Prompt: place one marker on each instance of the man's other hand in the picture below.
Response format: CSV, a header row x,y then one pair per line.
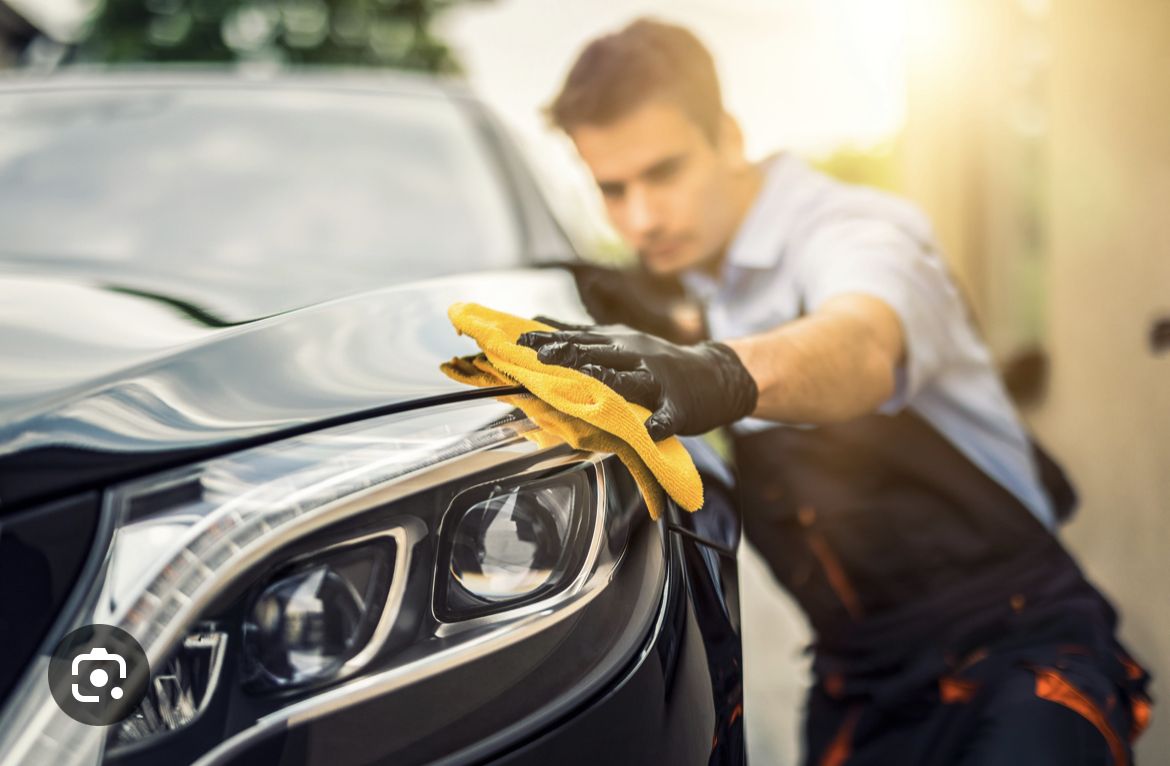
x,y
688,389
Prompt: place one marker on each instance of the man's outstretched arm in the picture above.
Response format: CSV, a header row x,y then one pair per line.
x,y
835,364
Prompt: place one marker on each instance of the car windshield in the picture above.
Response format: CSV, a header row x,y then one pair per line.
x,y
324,191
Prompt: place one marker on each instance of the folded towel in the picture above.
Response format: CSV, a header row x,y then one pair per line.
x,y
569,405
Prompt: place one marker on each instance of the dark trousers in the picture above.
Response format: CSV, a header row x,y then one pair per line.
x,y
1034,707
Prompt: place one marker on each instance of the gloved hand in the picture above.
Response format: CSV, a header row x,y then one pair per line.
x,y
635,297
689,389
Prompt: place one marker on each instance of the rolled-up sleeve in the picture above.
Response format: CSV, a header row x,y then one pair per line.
x,y
878,258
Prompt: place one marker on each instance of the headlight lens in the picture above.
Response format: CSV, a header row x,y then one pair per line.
x,y
515,542
306,624
376,547
509,546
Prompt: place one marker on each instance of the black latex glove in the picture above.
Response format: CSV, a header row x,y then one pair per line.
x,y
689,389
632,296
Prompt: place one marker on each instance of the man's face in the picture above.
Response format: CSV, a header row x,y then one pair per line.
x,y
667,188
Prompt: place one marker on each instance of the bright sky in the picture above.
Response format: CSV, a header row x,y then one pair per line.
x,y
804,74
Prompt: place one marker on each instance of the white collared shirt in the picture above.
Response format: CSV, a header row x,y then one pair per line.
x,y
808,238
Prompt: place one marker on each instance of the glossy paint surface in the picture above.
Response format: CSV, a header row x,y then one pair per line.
x,y
129,377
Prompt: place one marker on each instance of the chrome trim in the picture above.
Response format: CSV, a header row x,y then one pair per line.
x,y
404,536
667,592
218,650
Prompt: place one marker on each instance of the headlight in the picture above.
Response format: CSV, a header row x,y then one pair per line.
x,y
509,543
323,573
309,622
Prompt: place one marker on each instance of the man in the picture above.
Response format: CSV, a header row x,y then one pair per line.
x,y
901,501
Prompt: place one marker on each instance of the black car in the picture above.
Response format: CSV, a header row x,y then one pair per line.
x,y
223,429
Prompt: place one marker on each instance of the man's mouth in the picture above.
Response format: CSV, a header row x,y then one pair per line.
x,y
665,248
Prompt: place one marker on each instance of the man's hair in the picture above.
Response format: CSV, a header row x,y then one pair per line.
x,y
646,60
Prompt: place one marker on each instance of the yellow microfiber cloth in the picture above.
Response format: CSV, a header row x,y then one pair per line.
x,y
571,406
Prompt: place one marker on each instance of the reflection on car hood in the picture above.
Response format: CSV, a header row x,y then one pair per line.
x,y
89,371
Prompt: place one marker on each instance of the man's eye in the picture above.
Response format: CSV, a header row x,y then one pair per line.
x,y
664,171
612,191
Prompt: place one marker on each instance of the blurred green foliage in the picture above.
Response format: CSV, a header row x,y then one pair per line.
x,y
394,33
875,166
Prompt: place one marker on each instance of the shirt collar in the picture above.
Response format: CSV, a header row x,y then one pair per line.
x,y
759,242
700,285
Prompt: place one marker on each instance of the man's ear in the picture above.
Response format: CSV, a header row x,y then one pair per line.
x,y
730,143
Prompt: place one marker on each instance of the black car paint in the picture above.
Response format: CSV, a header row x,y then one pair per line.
x,y
224,386
42,552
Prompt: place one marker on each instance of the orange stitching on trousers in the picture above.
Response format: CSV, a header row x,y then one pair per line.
x,y
835,573
842,745
1052,686
954,691
1139,708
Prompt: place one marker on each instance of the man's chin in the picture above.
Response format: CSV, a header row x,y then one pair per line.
x,y
668,264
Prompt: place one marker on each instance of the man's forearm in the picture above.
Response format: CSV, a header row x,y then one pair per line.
x,y
831,366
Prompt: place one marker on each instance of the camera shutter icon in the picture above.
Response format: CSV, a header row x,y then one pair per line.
x,y
98,674
98,677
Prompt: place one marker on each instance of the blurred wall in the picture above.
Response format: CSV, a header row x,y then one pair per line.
x,y
1038,137
1108,408
974,153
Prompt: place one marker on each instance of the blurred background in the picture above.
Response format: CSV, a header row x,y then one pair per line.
x,y
1036,133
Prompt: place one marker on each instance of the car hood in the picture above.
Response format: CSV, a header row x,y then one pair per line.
x,y
98,383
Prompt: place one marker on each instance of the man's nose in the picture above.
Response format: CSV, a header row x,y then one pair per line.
x,y
641,215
